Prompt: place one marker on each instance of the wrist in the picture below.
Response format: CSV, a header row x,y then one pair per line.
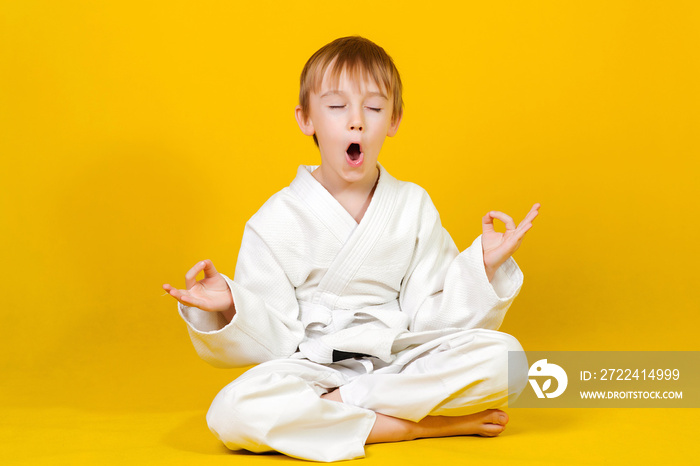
x,y
228,314
231,311
490,270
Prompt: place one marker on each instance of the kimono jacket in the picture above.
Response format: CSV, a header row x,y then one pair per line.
x,y
310,280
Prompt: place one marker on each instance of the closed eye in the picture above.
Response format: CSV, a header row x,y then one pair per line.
x,y
343,106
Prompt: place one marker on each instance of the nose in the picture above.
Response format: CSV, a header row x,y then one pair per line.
x,y
356,122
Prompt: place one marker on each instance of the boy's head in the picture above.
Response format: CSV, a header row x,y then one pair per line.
x,y
362,61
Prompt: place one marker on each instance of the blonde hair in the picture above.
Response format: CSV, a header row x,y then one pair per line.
x,y
358,56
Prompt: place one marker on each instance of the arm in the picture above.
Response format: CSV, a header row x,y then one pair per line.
x,y
264,323
446,289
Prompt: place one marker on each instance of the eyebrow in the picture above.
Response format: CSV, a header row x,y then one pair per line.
x,y
337,92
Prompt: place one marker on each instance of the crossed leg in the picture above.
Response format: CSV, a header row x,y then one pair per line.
x,y
469,369
487,423
294,407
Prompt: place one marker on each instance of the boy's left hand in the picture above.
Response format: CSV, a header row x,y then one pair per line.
x,y
498,247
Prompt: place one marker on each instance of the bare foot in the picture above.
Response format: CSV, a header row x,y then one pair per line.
x,y
488,423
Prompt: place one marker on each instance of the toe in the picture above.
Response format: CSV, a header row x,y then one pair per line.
x,y
491,430
497,417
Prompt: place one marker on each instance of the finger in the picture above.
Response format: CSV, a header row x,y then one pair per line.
x,y
524,229
510,224
528,219
534,211
191,301
169,288
177,294
530,215
184,297
487,224
191,275
209,269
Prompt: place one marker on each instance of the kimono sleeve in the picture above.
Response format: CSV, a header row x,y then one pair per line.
x,y
447,289
266,325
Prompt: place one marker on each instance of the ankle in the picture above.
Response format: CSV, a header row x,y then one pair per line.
x,y
430,426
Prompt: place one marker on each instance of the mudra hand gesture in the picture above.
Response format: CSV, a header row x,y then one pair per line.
x,y
498,247
209,294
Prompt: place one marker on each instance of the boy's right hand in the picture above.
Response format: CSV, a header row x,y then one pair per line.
x,y
210,294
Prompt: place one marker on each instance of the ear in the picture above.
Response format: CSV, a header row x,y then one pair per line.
x,y
395,126
305,123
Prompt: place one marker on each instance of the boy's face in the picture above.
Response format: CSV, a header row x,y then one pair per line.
x,y
351,113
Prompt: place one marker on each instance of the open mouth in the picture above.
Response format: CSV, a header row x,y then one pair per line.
x,y
354,154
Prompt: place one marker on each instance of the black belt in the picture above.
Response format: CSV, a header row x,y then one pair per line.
x,y
342,355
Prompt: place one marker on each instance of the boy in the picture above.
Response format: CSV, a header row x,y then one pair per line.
x,y
366,322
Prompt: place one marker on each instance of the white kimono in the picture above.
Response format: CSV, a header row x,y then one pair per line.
x,y
312,285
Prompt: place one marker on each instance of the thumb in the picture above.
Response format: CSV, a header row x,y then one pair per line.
x,y
189,300
209,269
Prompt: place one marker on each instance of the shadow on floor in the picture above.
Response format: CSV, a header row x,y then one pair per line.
x,y
531,421
193,435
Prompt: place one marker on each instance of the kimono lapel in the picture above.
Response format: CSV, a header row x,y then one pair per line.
x,y
357,240
360,241
322,203
326,327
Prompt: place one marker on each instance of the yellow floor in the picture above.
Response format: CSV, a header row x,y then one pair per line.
x,y
155,414
61,435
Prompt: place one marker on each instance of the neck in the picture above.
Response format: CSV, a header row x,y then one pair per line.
x,y
341,188
354,197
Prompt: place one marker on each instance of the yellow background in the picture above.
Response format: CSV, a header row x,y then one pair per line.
x,y
136,138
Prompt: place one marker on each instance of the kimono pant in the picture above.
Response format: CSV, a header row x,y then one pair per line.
x,y
277,405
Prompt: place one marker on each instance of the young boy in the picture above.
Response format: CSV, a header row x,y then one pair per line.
x,y
366,322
